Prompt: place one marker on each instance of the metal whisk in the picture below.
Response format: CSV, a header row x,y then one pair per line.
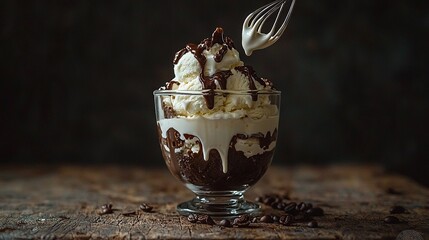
x,y
252,37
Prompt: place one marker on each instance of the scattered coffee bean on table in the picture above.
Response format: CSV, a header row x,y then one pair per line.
x,y
225,223
254,220
300,206
106,209
316,211
193,218
397,210
391,220
312,224
204,219
304,211
268,200
145,207
275,218
266,219
286,219
241,221
290,208
278,205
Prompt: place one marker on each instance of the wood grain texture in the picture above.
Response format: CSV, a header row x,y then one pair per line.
x,y
63,202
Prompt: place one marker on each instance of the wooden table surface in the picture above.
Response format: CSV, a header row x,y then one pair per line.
x,y
63,202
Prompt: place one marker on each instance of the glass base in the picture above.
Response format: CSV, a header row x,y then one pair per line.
x,y
219,204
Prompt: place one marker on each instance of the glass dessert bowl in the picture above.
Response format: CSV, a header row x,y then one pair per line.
x,y
217,152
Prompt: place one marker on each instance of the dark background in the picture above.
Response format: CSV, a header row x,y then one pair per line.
x,y
77,79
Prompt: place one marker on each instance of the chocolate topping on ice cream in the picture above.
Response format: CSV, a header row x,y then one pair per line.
x,y
209,82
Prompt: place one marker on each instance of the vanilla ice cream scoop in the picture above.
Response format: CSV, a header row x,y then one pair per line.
x,y
188,67
214,64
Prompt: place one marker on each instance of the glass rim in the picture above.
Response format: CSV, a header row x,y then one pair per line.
x,y
216,92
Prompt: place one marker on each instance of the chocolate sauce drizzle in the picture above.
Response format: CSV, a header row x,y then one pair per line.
x,y
169,85
248,72
264,140
209,82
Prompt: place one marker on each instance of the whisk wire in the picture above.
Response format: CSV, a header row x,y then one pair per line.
x,y
253,38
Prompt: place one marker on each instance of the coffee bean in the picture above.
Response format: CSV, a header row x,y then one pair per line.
x,y
274,204
275,218
241,221
201,218
254,220
266,219
106,209
316,211
397,210
205,219
242,224
304,206
299,205
286,219
243,218
391,220
280,205
290,207
312,224
193,218
268,200
145,207
225,223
